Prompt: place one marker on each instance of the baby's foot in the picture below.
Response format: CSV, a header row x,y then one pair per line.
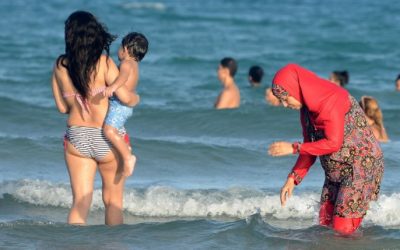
x,y
129,165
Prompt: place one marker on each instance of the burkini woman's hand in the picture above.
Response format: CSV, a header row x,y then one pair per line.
x,y
281,148
287,190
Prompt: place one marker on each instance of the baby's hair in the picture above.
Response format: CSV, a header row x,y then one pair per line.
x,y
230,64
397,78
372,110
256,73
136,44
342,77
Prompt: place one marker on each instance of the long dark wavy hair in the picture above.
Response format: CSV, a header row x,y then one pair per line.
x,y
85,41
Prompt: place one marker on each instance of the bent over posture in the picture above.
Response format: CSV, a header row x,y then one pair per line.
x,y
336,130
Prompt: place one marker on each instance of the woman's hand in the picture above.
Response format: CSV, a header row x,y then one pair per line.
x,y
287,190
281,148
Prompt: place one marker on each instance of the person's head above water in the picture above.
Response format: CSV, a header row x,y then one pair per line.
x,y
85,41
340,78
256,74
227,68
135,45
398,83
371,108
297,87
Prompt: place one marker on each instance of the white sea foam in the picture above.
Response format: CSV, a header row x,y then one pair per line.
x,y
139,5
386,211
162,201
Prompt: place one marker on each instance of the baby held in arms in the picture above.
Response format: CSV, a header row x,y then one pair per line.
x,y
132,50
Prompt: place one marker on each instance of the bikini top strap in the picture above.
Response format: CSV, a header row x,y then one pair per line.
x,y
83,103
68,94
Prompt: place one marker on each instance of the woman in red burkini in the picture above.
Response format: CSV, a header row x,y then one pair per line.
x,y
336,130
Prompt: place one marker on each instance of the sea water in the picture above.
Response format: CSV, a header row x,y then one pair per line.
x,y
203,178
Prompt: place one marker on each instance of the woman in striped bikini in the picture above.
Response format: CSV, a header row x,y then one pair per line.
x,y
79,78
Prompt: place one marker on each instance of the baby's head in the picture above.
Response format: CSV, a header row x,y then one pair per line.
x,y
136,45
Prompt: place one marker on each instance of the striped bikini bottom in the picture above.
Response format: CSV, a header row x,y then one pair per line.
x,y
90,142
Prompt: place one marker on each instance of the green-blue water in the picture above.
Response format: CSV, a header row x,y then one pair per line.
x,y
203,178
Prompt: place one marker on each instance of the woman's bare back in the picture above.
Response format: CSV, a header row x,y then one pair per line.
x,y
105,73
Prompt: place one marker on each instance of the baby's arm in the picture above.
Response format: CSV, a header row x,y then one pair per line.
x,y
127,96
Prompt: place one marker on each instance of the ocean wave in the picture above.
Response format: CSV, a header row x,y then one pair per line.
x,y
138,5
214,141
164,201
30,144
29,137
201,140
25,222
36,98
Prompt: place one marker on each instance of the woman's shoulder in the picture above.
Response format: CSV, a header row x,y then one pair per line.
x,y
105,59
61,63
60,66
106,62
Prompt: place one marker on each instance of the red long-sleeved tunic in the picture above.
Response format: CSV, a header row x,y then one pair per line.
x,y
327,104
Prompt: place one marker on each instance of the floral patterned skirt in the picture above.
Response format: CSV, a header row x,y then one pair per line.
x,y
353,174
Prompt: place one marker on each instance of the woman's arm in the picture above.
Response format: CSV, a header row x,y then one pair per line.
x,y
300,169
334,135
112,71
119,81
58,98
303,163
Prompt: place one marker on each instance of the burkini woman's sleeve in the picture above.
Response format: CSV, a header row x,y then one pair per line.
x,y
333,127
304,161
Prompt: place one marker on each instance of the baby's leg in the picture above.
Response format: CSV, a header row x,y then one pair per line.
x,y
129,160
